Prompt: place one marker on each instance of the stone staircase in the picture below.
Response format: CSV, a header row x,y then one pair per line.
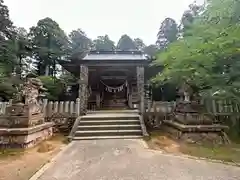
x,y
109,125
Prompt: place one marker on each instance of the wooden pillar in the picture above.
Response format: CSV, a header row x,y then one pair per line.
x,y
130,96
86,88
140,84
83,89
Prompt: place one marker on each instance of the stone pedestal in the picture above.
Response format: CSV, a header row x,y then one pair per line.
x,y
192,113
191,124
25,137
20,128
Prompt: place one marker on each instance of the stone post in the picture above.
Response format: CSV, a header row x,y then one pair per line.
x,y
50,109
1,107
77,107
71,107
61,107
140,84
66,107
4,105
10,102
98,100
55,107
45,102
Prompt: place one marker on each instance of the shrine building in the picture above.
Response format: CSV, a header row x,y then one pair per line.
x,y
110,79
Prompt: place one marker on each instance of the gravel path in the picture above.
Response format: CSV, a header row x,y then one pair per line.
x,y
130,160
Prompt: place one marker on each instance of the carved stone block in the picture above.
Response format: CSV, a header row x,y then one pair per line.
x,y
18,109
25,137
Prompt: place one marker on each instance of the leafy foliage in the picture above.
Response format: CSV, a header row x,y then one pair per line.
x,y
103,43
79,42
54,86
168,33
188,17
150,50
126,43
5,22
49,43
139,44
209,58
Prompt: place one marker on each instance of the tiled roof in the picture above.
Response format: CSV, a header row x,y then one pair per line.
x,y
115,55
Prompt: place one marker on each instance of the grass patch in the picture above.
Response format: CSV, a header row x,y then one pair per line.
x,y
228,153
6,153
159,140
59,138
13,152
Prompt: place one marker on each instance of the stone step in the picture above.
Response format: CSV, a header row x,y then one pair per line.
x,y
108,133
108,122
110,127
117,111
110,117
107,137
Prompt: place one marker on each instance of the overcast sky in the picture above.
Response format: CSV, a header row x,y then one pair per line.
x,y
137,18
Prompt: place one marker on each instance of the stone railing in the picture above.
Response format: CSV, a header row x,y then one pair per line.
x,y
62,107
161,107
52,107
157,112
3,106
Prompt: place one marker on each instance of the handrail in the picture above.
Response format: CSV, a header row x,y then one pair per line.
x,y
143,126
74,128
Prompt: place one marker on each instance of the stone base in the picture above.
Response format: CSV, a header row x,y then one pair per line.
x,y
199,134
21,121
25,137
193,119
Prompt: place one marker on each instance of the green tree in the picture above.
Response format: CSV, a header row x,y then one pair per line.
x,y
126,43
167,33
79,42
209,59
103,43
150,50
6,60
49,43
5,22
54,86
139,43
188,17
20,49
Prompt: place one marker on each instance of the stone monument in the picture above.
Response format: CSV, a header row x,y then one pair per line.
x,y
191,122
23,124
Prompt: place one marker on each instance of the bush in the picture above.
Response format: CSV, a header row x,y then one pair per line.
x,y
54,86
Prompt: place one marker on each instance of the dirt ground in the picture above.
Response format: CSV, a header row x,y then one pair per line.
x,y
162,142
21,165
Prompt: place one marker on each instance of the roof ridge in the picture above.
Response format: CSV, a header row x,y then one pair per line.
x,y
137,52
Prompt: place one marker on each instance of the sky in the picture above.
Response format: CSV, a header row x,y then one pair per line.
x,y
137,18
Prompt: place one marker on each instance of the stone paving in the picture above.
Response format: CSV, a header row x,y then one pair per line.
x,y
131,160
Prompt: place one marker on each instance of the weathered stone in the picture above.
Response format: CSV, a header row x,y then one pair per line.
x,y
197,133
25,137
23,124
192,124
